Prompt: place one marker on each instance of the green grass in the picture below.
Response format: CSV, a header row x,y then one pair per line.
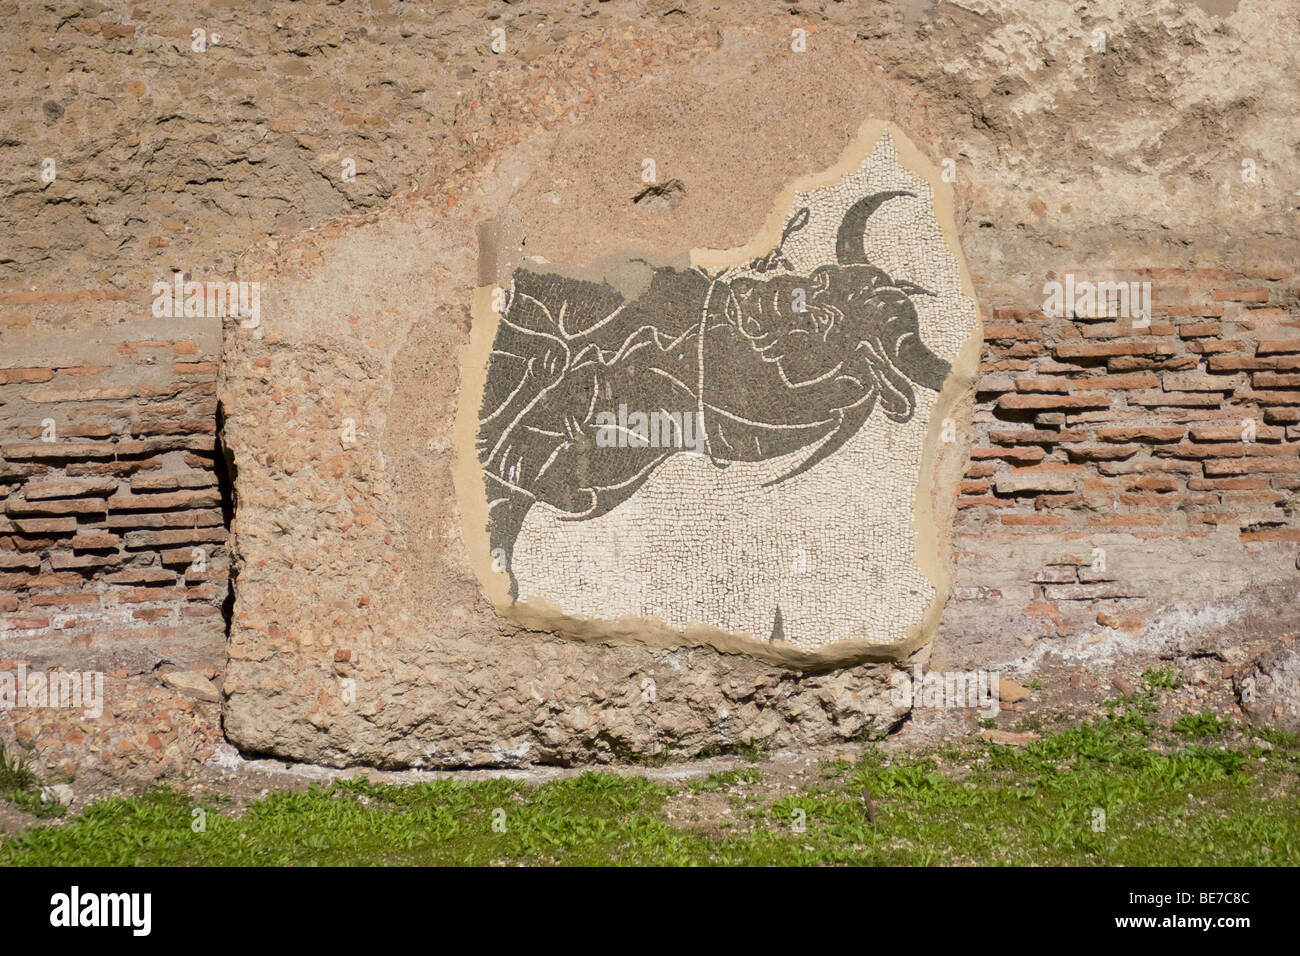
x,y
723,779
1201,725
1168,798
1166,678
21,786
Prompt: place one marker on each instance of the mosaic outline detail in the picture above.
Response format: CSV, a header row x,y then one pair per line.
x,y
771,359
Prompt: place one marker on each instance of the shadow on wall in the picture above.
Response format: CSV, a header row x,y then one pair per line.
x,y
226,471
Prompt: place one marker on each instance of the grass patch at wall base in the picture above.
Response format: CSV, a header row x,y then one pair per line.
x,y
1115,791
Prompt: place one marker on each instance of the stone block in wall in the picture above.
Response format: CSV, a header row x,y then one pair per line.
x,y
411,614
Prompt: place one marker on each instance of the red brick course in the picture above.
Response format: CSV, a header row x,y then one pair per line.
x,y
1192,422
99,516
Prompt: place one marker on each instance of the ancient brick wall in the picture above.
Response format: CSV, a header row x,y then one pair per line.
x,y
1125,468
1113,509
1180,425
113,529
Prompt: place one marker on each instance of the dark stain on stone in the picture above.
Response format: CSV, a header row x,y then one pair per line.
x,y
660,197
